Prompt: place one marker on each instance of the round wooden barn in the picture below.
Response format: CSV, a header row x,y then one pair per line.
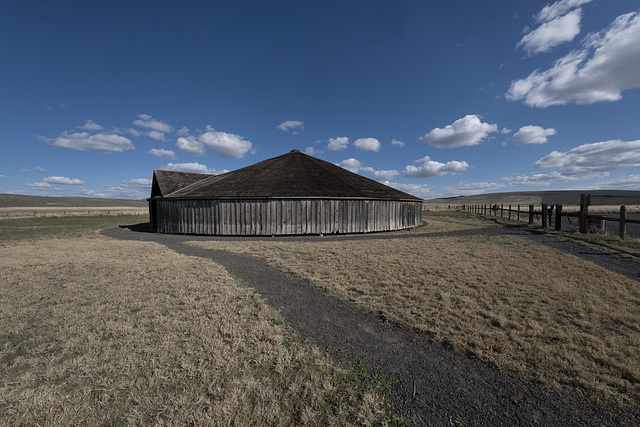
x,y
292,194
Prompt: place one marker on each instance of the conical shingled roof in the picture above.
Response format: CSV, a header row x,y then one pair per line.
x,y
292,175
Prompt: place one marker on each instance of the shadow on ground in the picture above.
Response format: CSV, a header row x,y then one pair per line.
x,y
143,227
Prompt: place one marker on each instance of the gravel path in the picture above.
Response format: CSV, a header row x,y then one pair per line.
x,y
432,385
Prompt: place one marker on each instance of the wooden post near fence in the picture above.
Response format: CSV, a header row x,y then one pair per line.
x,y
558,218
544,215
623,222
585,201
530,214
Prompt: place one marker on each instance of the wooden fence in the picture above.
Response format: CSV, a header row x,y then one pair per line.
x,y
551,215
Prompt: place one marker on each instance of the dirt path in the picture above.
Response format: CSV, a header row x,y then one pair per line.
x,y
432,385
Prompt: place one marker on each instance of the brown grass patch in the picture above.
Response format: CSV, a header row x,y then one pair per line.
x,y
104,332
443,222
45,212
522,307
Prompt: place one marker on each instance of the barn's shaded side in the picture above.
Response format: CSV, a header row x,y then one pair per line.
x,y
166,182
292,194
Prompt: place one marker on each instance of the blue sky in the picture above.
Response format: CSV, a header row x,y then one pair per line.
x,y
434,98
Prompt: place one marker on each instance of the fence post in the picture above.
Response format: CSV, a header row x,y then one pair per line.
x,y
518,213
585,201
501,210
550,209
509,212
558,217
544,215
530,214
623,222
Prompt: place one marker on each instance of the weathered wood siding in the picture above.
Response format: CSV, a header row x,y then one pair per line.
x,y
284,216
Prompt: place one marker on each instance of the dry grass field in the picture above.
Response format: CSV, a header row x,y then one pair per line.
x,y
524,308
14,213
103,332
14,206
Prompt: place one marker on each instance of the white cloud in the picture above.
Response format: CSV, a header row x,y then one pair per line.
x,y
138,182
39,169
431,168
419,190
357,166
550,34
63,180
397,143
189,145
312,151
629,182
559,8
161,152
337,144
137,188
90,125
380,175
3,176
467,131
38,185
148,122
183,131
532,135
226,144
607,64
535,179
295,126
133,132
367,144
598,157
470,188
505,131
82,141
158,136
351,164
190,167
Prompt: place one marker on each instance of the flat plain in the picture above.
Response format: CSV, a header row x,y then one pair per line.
x,y
97,331
14,206
523,308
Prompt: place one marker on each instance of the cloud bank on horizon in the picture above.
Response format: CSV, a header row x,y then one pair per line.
x,y
380,98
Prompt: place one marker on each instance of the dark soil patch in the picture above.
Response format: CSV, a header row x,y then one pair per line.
x,y
431,384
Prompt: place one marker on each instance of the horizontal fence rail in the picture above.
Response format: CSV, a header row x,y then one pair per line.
x,y
551,216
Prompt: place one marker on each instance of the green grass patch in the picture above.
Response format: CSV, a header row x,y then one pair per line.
x,y
29,229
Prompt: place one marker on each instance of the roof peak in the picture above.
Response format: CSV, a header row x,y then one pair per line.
x,y
291,175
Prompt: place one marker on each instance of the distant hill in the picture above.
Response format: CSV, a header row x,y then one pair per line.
x,y
22,201
565,198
